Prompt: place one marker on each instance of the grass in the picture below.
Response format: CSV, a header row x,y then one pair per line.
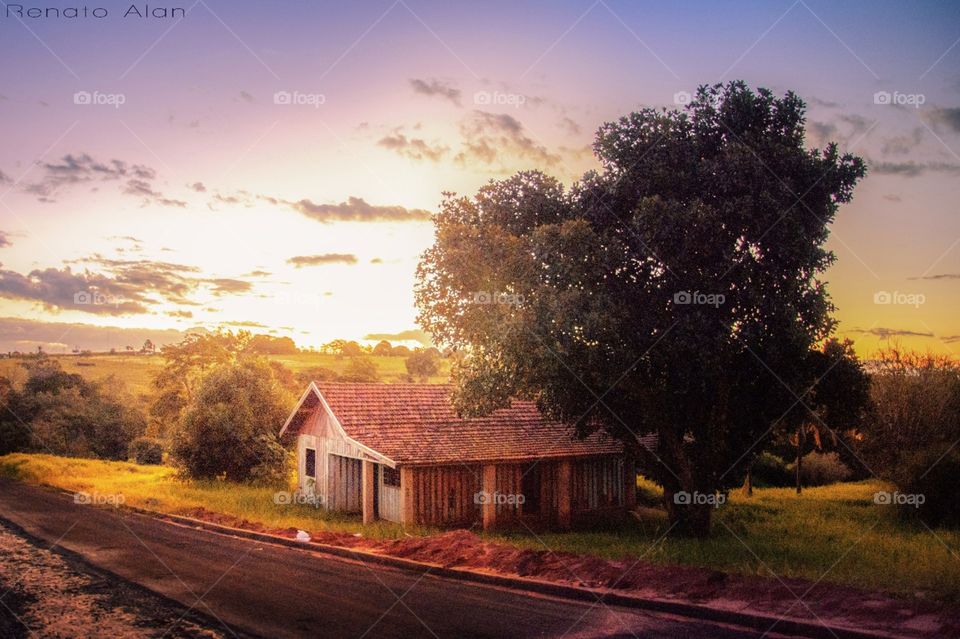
x,y
834,532
158,488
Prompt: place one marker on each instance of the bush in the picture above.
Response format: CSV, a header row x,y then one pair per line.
x,y
820,469
230,428
421,365
771,471
146,450
361,369
934,475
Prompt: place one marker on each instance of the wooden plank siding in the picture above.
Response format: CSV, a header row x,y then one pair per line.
x,y
509,487
445,495
597,484
344,485
389,499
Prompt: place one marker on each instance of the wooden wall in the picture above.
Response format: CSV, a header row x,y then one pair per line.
x,y
445,495
597,484
345,484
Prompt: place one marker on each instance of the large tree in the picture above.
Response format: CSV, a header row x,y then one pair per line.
x,y
676,290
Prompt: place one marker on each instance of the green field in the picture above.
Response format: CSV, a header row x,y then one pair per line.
x,y
137,371
835,532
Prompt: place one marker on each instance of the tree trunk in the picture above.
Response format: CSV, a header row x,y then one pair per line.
x,y
799,462
687,519
748,484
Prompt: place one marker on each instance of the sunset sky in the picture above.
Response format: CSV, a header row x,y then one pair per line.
x,y
274,165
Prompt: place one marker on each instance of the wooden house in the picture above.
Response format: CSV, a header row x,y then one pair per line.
x,y
399,452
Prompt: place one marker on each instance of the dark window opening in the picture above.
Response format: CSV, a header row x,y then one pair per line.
x,y
391,477
530,486
310,463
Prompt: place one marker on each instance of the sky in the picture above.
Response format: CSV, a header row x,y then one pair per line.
x,y
274,166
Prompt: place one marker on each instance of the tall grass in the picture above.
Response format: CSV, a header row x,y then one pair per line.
x,y
833,532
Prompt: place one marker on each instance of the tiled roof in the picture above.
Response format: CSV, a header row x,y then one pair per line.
x,y
415,423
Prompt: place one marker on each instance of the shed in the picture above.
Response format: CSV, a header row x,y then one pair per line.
x,y
399,452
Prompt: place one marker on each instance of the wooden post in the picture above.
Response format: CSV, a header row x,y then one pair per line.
x,y
368,479
630,482
407,513
489,491
564,481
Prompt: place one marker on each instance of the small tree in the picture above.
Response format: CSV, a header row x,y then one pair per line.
x,y
422,365
383,348
230,427
361,369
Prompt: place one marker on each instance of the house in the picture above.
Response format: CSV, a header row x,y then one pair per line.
x,y
399,452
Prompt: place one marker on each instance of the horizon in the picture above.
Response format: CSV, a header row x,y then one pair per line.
x,y
239,167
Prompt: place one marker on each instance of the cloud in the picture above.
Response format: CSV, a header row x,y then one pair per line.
x,y
887,333
198,187
355,209
892,197
258,273
413,148
25,335
80,169
822,132
944,118
5,239
570,126
4,178
327,258
902,144
183,314
490,138
228,286
939,276
61,289
146,191
246,97
244,324
414,335
914,169
436,88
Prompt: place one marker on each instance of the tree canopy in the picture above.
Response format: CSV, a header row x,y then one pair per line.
x,y
677,290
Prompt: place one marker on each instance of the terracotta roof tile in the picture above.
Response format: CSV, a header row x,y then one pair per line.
x,y
415,423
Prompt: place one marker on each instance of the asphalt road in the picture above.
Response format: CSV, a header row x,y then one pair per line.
x,y
260,589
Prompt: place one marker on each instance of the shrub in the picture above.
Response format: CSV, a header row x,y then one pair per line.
x,y
361,369
934,475
915,420
820,469
146,450
230,428
421,365
770,470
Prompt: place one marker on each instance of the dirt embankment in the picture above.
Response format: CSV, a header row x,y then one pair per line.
x,y
830,603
